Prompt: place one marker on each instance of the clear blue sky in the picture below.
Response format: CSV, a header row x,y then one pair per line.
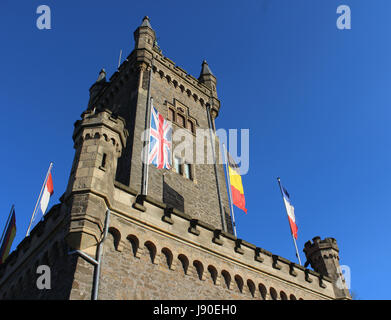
x,y
316,100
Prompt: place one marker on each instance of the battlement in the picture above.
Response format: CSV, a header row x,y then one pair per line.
x,y
101,118
317,244
168,224
175,76
165,68
33,250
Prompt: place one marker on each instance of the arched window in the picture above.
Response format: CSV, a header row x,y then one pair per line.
x,y
262,291
181,120
239,283
171,115
251,287
292,297
199,268
104,158
283,295
116,236
273,293
134,242
213,273
187,168
185,262
151,249
178,165
190,125
169,257
227,278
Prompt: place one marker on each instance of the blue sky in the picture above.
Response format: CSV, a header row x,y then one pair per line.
x,y
315,99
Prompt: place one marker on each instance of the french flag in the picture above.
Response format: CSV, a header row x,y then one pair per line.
x,y
47,192
291,212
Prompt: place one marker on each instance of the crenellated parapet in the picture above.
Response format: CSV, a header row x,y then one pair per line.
x,y
323,256
208,245
44,245
101,125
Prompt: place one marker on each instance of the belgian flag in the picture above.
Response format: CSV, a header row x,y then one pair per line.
x,y
236,184
8,237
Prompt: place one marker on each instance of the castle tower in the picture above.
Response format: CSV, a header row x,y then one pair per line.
x,y
183,100
98,140
323,255
177,241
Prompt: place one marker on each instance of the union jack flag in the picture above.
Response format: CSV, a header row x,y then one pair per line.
x,y
160,141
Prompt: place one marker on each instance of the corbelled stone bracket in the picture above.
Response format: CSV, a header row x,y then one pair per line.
x,y
257,256
167,215
238,246
321,282
292,271
307,275
216,237
139,203
193,227
275,262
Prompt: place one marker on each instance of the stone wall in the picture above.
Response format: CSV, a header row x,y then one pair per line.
x,y
167,255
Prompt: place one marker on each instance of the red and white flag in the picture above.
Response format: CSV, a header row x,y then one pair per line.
x,y
290,210
47,192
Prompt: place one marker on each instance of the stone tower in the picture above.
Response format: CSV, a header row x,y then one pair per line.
x,y
176,242
323,256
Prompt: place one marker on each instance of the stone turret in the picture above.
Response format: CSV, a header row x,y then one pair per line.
x,y
323,256
207,77
209,80
96,88
98,139
144,35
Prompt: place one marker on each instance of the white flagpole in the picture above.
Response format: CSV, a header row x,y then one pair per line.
x,y
119,59
40,194
294,240
229,188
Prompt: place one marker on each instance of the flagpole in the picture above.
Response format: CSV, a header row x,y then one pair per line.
x,y
297,251
6,225
294,240
213,144
144,186
229,188
40,194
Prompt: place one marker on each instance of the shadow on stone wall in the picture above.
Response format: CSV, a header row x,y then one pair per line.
x,y
172,198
